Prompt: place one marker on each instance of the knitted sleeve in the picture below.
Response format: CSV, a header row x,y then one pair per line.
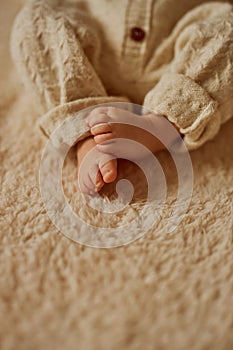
x,y
196,93
52,64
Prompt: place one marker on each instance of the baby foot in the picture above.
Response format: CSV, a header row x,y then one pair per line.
x,y
112,127
97,168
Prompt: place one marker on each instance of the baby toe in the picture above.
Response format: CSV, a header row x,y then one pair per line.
x,y
109,171
85,184
96,178
97,116
101,129
108,147
103,138
99,183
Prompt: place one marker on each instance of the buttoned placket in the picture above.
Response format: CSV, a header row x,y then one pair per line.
x,y
137,28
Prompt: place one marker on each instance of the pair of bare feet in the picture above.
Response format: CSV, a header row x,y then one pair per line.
x,y
112,130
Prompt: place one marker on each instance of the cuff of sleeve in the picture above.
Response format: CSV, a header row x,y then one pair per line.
x,y
188,106
75,130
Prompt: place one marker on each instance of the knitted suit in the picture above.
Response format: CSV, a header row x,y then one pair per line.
x,y
75,54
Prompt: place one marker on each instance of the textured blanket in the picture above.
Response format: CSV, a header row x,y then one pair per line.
x,y
163,291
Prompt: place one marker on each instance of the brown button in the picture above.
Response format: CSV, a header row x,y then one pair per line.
x,y
137,34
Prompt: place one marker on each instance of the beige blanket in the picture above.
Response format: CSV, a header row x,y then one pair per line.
x,y
160,292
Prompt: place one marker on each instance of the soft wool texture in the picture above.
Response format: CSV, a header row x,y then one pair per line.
x,y
161,292
75,54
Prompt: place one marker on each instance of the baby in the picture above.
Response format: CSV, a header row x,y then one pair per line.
x,y
175,58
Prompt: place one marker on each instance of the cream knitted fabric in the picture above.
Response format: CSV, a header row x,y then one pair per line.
x,y
74,54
